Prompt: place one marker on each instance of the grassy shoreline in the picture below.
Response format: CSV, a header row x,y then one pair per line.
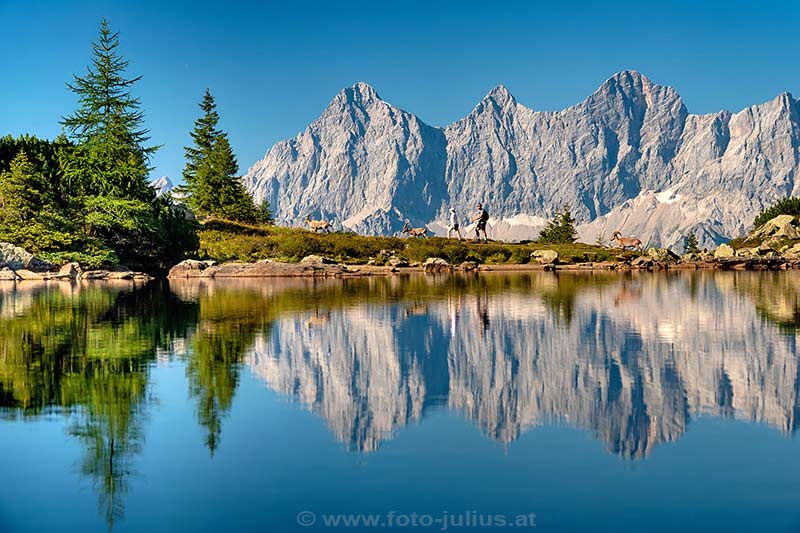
x,y
229,241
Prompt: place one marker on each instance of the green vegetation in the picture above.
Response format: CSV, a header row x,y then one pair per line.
x,y
85,196
560,230
212,186
786,206
690,244
230,241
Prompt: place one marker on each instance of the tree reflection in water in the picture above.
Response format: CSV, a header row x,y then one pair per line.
x,y
630,358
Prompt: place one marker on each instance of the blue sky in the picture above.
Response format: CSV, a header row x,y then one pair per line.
x,y
273,67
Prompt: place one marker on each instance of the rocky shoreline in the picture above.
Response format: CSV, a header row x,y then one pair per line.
x,y
18,265
314,266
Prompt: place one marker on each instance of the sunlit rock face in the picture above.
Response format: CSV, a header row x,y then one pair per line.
x,y
630,157
630,359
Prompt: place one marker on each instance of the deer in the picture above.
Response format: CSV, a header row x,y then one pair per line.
x,y
414,232
625,242
317,225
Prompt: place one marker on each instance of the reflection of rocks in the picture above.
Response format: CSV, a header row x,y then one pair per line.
x,y
629,361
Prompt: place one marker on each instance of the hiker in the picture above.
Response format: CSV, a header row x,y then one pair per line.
x,y
481,219
453,224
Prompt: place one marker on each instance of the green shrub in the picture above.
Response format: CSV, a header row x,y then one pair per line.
x,y
786,206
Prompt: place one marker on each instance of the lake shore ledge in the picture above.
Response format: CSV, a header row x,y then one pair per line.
x,y
321,267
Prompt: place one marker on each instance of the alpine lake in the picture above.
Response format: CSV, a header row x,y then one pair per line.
x,y
554,401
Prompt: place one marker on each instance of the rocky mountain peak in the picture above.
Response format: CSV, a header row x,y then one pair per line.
x,y
500,95
360,94
630,157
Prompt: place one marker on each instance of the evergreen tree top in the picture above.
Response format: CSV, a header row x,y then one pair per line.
x,y
106,105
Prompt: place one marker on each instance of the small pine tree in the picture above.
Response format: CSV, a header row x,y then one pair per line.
x,y
265,213
600,240
560,230
690,244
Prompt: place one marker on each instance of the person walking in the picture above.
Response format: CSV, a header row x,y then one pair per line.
x,y
482,218
453,224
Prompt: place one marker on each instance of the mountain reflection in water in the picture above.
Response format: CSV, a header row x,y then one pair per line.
x,y
630,358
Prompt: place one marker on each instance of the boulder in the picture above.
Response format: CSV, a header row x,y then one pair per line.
x,y
316,260
28,275
6,274
724,251
791,252
436,264
17,258
544,257
469,266
190,268
782,226
94,275
121,274
662,255
642,262
746,252
70,271
766,250
396,262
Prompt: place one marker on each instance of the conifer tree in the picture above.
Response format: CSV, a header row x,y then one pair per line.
x,y
110,157
211,171
28,214
690,244
265,213
560,230
106,168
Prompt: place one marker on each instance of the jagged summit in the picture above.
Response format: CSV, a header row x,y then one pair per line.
x,y
361,93
501,95
629,157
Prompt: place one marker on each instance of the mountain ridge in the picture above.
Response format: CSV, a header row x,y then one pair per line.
x,y
628,157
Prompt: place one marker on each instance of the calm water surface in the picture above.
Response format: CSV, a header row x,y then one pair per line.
x,y
644,402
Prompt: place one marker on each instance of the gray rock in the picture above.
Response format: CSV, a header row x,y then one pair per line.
x,y
396,262
630,157
95,275
544,257
70,271
6,274
782,226
469,266
746,252
724,251
190,268
316,260
436,264
28,275
17,258
662,255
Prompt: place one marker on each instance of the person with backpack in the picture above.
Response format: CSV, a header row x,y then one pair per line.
x,y
482,218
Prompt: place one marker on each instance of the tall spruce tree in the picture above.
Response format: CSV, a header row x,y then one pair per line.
x,y
110,157
108,166
212,183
